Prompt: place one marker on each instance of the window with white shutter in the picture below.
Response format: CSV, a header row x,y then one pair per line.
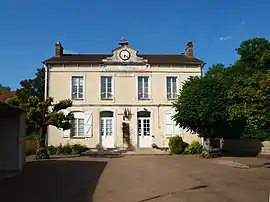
x,y
88,125
171,129
66,133
77,125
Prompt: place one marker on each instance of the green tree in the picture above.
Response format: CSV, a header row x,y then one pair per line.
x,y
217,70
251,53
39,115
249,99
248,95
4,89
32,87
201,107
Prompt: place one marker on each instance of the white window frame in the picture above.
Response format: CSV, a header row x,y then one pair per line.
x,y
77,116
173,125
149,87
77,87
166,87
100,87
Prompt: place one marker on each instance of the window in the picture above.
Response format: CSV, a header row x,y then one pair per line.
x,y
171,129
106,87
77,88
143,87
77,127
171,83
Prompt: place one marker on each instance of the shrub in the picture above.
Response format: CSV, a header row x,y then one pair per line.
x,y
176,145
194,148
52,150
33,136
42,154
78,148
66,149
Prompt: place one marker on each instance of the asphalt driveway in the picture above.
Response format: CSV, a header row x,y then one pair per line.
x,y
137,179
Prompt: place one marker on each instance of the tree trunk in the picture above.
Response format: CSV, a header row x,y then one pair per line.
x,y
42,152
207,147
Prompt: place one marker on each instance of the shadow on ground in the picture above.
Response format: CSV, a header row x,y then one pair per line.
x,y
53,181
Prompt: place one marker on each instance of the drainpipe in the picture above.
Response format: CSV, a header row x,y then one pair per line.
x,y
202,66
45,96
46,82
158,115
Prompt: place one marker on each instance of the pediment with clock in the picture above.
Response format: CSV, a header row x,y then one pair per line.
x,y
124,55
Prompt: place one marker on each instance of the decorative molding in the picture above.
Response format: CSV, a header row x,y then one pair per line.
x,y
124,74
109,105
133,59
121,68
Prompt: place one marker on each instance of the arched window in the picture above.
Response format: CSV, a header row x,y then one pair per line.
x,y
106,123
144,114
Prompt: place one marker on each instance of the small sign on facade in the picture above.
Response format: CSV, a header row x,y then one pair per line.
x,y
124,74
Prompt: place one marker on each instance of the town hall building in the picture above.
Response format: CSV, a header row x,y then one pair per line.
x,y
108,90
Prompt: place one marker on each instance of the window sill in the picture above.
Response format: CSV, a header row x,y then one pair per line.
x,y
106,99
142,99
78,137
78,99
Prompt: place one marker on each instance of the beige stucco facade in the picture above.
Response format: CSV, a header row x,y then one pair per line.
x,y
124,88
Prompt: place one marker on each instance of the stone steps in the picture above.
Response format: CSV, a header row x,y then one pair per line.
x,y
123,152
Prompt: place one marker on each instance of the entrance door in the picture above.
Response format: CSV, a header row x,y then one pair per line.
x,y
107,136
144,135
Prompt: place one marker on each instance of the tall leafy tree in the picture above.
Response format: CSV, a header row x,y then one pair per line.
x,y
32,87
201,107
39,115
249,93
251,52
4,89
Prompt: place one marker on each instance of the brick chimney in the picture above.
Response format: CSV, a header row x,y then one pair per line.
x,y
59,50
189,49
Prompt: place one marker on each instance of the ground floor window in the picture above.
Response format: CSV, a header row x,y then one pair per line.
x,y
77,125
171,129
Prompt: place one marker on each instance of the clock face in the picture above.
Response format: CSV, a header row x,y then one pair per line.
x,y
124,55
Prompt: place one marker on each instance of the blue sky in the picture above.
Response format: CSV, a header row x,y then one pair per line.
x,y
30,28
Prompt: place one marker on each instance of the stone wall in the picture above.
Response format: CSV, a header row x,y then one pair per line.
x,y
30,147
248,147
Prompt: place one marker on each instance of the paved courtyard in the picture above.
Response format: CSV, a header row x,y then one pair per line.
x,y
138,179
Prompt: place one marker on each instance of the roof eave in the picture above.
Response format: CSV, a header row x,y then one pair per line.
x,y
100,62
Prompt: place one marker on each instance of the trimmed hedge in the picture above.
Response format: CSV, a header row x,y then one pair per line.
x,y
67,149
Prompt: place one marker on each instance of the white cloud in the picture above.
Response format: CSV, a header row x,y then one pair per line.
x,y
243,22
225,38
69,52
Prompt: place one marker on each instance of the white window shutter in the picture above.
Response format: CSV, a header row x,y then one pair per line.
x,y
177,129
88,124
168,125
66,133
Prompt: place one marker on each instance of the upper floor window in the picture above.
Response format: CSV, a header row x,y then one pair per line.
x,y
77,87
106,87
171,83
143,87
